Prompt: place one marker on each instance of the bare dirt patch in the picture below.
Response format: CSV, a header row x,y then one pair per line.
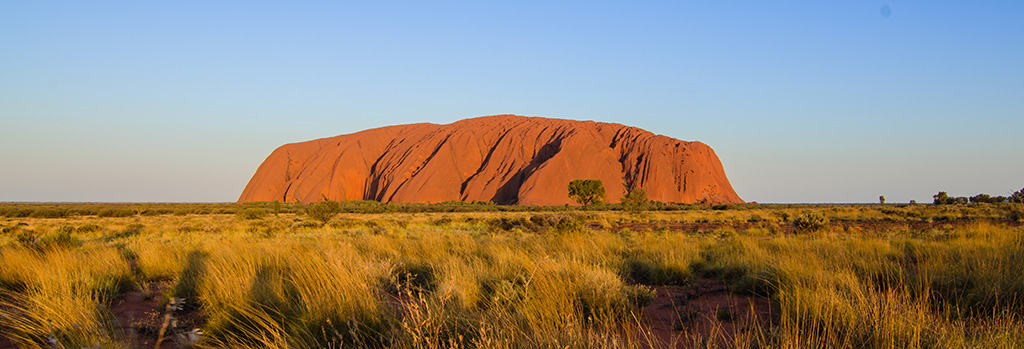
x,y
703,311
141,314
6,344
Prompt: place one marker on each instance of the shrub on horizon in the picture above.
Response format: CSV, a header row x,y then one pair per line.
x,y
985,198
942,198
1017,197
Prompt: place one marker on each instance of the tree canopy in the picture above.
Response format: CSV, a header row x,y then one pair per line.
x,y
586,191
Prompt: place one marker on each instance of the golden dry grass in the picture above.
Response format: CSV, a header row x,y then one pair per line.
x,y
523,279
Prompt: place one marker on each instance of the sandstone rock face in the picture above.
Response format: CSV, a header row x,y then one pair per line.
x,y
507,159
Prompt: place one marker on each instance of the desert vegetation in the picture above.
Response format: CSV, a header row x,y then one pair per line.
x,y
943,198
587,192
370,275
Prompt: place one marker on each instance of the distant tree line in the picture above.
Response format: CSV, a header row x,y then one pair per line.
x,y
943,198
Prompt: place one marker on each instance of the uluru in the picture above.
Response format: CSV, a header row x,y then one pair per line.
x,y
507,159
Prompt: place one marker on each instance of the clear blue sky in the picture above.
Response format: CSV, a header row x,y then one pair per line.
x,y
804,101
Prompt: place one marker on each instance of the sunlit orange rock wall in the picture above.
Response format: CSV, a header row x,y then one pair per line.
x,y
506,159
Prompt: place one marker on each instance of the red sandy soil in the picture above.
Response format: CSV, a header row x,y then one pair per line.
x,y
682,316
141,314
507,159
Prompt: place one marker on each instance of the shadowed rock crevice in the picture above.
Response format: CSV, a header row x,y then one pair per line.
x,y
483,165
509,193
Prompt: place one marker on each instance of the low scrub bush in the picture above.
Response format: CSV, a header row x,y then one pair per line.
x,y
323,211
131,230
810,222
252,213
88,228
442,221
115,212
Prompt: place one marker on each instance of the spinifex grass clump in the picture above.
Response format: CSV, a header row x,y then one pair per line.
x,y
59,298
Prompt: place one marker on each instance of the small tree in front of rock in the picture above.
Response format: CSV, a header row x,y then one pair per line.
x,y
636,200
586,192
